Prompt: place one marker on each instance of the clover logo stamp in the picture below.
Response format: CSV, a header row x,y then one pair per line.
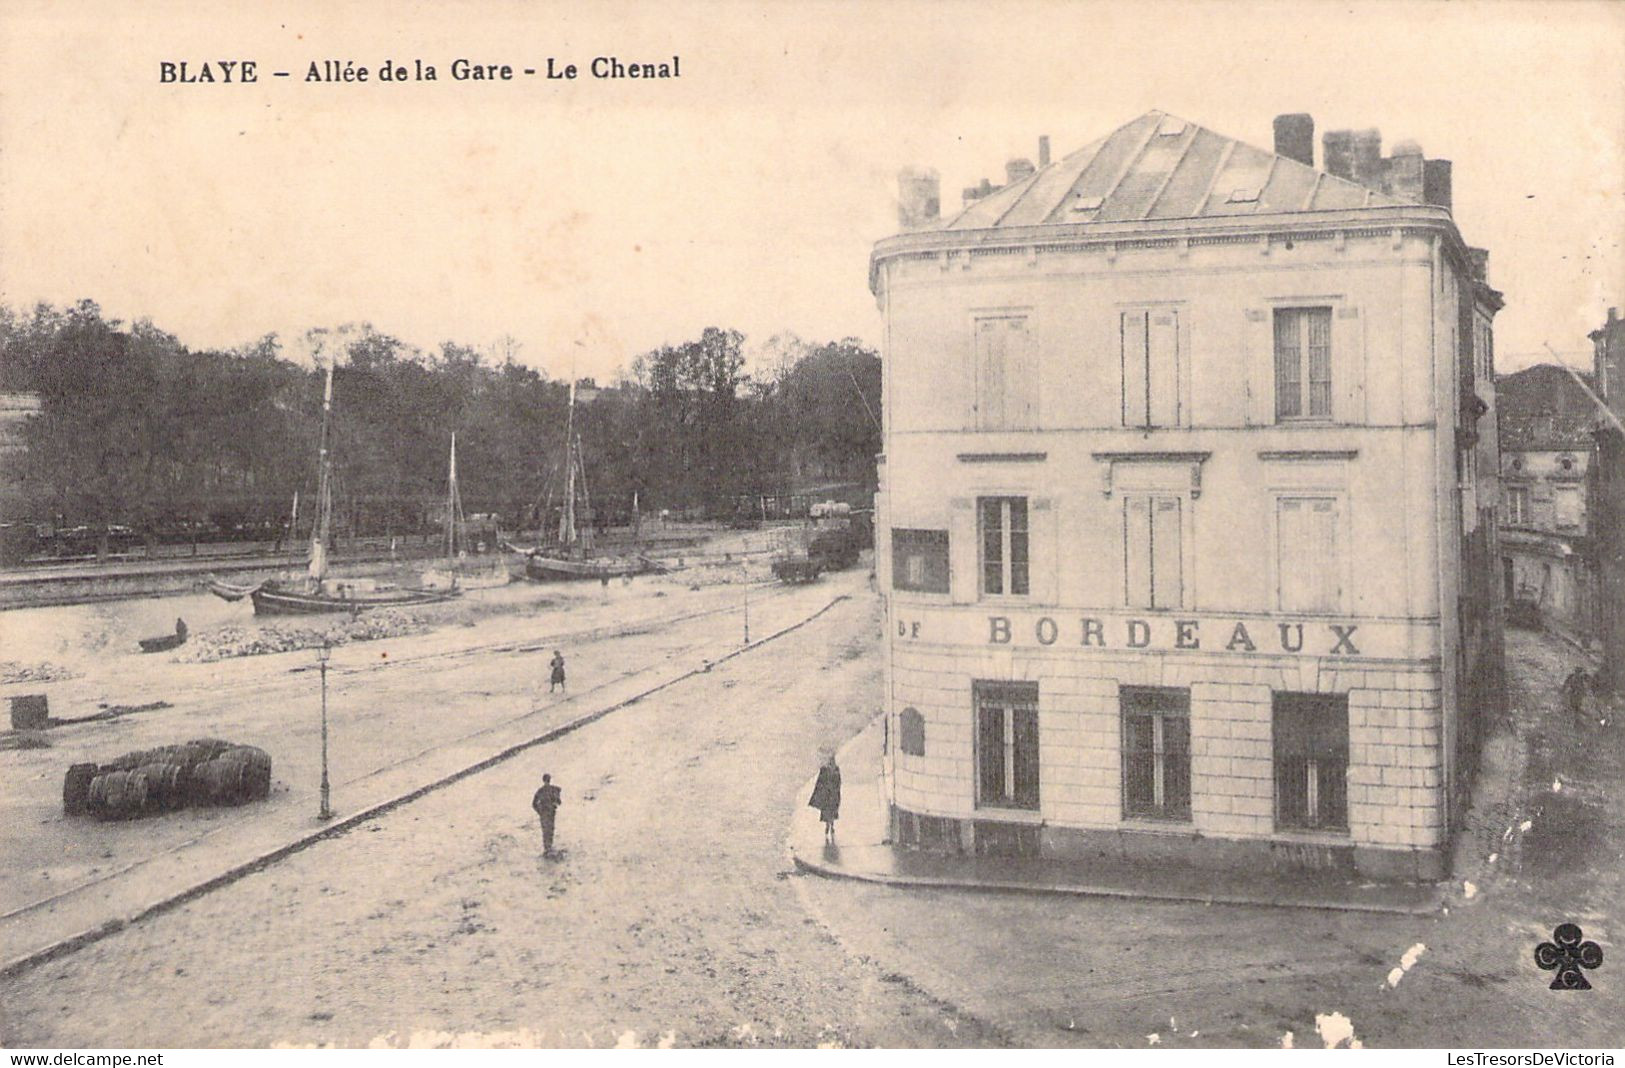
x,y
1567,955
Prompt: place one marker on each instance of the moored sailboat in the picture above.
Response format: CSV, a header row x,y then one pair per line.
x,y
572,556
316,592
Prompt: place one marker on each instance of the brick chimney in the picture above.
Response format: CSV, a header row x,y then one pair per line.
x,y
1043,151
1295,137
1436,183
919,198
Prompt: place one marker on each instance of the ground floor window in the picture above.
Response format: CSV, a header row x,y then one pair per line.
x,y
1311,761
1156,753
1007,744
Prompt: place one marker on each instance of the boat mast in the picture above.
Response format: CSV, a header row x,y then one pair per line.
x,y
567,521
453,506
324,497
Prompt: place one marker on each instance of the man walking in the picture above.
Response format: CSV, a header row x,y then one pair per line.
x,y
546,802
556,680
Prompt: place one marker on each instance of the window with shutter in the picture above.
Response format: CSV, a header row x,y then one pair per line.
x,y
1006,567
1156,753
1007,766
1517,505
1303,363
1006,375
1152,560
1309,565
1311,742
1149,356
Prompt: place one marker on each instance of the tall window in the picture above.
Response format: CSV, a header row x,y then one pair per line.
x,y
1152,575
1303,363
1517,505
1006,375
1150,360
1311,761
1156,753
1003,529
919,560
1308,558
1566,507
1007,744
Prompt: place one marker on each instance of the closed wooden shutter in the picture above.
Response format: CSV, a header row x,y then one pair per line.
x,y
1021,376
1133,340
962,549
1167,565
1137,552
1162,369
1288,365
1318,338
1308,559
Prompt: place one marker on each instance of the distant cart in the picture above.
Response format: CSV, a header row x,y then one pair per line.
x,y
797,570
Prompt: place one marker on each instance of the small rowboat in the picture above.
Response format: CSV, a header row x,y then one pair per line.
x,y
167,642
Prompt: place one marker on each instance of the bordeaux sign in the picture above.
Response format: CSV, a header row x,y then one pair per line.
x,y
1262,636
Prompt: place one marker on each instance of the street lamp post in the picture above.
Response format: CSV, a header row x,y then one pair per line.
x,y
322,655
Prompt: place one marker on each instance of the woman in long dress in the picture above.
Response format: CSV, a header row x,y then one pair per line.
x,y
826,796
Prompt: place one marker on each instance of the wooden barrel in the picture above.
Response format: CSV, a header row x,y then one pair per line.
x,y
76,789
163,784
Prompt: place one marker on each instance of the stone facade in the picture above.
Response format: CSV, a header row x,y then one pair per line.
x,y
1198,607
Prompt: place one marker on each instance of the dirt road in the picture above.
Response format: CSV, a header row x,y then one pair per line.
x,y
670,918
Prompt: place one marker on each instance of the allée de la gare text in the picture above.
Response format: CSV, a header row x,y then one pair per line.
x,y
348,71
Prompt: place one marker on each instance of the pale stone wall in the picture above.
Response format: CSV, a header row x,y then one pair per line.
x,y
1395,774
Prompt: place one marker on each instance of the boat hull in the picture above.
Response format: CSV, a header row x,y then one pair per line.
x,y
273,602
227,591
554,569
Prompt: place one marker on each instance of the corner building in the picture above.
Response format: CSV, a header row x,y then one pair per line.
x,y
1186,518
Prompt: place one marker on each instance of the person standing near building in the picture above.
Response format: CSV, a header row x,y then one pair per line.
x,y
826,796
546,802
556,681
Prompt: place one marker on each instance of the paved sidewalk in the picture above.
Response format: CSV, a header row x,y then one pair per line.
x,y
861,852
35,933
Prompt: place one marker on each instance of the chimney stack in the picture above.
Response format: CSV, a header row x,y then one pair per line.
x,y
1402,176
1017,169
1368,158
1436,183
1295,137
919,198
1043,151
1337,153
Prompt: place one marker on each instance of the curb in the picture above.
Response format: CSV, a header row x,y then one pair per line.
x,y
1060,890
63,947
929,882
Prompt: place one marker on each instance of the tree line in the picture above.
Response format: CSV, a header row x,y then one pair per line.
x,y
137,429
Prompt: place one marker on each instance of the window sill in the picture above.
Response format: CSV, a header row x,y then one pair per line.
x,y
1305,836
1174,828
1008,813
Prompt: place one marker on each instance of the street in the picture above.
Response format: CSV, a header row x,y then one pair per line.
x,y
669,917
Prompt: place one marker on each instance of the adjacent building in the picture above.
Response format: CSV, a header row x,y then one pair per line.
x,y
1187,506
1546,422
1608,500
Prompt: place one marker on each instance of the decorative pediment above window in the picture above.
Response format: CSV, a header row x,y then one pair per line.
x,y
1179,472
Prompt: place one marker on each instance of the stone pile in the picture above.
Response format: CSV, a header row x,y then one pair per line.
x,y
230,642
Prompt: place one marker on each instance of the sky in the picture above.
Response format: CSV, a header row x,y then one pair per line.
x,y
592,220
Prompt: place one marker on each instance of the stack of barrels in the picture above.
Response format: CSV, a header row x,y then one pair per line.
x,y
204,771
